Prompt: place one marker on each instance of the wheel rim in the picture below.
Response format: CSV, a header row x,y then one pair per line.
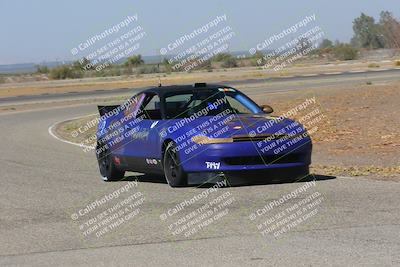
x,y
173,165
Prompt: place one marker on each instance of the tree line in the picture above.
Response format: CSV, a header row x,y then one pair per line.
x,y
367,34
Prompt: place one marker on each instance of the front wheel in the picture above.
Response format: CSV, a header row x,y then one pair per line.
x,y
108,170
174,173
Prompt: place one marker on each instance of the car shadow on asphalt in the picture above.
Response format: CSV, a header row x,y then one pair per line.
x,y
146,178
232,181
264,181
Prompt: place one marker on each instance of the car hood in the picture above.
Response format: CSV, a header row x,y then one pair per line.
x,y
260,125
244,125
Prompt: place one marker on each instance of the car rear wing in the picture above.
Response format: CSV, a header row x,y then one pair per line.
x,y
105,109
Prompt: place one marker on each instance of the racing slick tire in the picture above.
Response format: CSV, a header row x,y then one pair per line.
x,y
174,174
108,170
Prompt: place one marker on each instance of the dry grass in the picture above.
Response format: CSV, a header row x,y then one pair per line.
x,y
373,65
110,83
379,173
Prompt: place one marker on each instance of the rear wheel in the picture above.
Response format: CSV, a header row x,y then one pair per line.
x,y
173,170
108,170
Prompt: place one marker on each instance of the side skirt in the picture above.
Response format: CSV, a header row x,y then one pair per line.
x,y
137,164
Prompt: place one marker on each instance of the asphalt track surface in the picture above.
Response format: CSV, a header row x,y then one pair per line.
x,y
45,182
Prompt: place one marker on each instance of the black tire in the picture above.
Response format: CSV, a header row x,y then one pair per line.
x,y
108,170
174,174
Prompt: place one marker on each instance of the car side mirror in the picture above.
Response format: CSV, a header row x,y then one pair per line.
x,y
267,109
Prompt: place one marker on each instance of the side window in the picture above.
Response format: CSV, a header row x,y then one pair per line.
x,y
151,108
175,105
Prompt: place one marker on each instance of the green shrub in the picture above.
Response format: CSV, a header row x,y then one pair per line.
x,y
65,72
167,66
127,70
116,72
229,63
345,52
42,69
83,64
257,59
147,69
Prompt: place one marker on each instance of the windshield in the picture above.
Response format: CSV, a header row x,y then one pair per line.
x,y
208,102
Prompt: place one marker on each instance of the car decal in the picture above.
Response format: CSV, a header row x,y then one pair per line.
x,y
153,124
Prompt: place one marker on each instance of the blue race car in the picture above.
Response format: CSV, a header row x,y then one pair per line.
x,y
197,129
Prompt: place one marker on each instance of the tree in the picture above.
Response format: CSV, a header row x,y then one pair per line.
x,y
390,29
366,33
134,61
326,43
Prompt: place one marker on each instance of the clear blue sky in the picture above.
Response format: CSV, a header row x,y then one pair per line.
x,y
46,30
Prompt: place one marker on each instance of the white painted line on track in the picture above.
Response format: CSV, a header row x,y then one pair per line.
x,y
357,71
333,73
309,75
51,128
